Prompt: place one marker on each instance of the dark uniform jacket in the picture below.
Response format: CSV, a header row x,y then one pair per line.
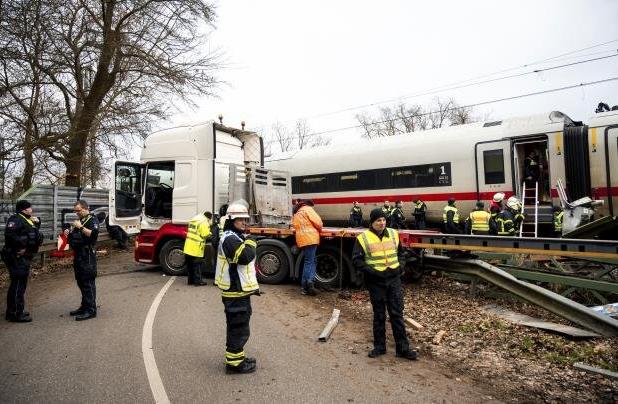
x,y
398,220
83,246
20,234
372,276
230,245
356,217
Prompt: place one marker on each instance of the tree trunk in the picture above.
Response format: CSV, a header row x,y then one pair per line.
x,y
26,179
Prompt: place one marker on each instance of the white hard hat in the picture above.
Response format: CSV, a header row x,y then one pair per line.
x,y
513,203
498,197
237,209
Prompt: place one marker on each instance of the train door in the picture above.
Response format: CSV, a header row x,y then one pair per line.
x,y
493,168
531,163
577,162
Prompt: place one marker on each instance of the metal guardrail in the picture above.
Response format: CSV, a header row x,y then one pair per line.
x,y
549,300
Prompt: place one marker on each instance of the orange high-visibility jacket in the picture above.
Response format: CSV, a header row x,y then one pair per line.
x,y
307,224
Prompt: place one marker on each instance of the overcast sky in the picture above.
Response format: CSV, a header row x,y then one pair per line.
x,y
291,59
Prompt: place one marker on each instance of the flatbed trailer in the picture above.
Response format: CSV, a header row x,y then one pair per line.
x,y
278,258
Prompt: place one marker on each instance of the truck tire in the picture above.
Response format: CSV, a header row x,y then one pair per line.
x,y
328,269
172,259
271,264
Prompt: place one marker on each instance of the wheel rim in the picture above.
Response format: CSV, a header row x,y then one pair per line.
x,y
327,268
175,260
269,264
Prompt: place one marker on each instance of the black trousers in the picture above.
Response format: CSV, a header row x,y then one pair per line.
x,y
237,314
15,302
194,269
85,266
389,297
419,222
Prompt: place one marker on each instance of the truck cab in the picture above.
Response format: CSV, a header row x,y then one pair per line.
x,y
182,171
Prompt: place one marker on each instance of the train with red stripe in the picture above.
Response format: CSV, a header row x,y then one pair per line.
x,y
468,162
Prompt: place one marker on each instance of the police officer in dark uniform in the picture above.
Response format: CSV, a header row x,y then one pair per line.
x,y
22,240
420,209
82,239
398,220
356,216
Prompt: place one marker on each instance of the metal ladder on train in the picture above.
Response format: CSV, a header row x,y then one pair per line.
x,y
530,199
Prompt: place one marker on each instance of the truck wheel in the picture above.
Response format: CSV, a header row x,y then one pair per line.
x,y
328,269
172,259
271,264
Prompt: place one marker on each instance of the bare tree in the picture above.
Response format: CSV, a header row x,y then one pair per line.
x,y
401,118
282,136
306,139
105,67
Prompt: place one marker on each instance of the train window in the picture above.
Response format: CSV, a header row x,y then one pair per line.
x,y
493,162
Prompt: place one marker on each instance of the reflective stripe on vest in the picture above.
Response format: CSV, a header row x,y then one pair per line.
x,y
380,254
30,222
502,224
196,236
246,273
480,220
558,221
447,209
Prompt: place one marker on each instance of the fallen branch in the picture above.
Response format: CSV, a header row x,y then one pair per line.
x,y
438,338
330,326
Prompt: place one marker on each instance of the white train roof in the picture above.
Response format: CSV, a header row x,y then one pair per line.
x,y
429,146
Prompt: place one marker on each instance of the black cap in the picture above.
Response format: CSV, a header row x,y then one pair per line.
x,y
21,205
376,214
480,205
451,201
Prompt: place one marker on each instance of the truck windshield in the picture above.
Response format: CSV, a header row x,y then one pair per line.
x,y
159,187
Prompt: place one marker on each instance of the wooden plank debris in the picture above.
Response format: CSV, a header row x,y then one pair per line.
x,y
413,323
330,326
522,319
438,338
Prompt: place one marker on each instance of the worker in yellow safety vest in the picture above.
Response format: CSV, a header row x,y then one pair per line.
x,y
478,221
376,254
450,218
236,278
198,234
558,218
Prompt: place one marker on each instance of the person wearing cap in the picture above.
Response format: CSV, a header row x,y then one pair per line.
x,y
82,239
450,218
307,226
376,254
420,210
387,210
478,221
398,220
22,240
356,216
236,278
198,234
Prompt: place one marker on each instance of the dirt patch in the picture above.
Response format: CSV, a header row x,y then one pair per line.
x,y
519,363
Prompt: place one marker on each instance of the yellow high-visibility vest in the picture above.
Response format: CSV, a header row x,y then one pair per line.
x,y
480,220
197,232
447,209
558,216
380,254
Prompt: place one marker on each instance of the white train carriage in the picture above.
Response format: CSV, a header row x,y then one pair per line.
x,y
467,162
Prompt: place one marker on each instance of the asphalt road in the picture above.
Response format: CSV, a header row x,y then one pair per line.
x,y
56,359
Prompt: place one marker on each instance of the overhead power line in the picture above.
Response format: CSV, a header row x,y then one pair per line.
x,y
462,83
514,97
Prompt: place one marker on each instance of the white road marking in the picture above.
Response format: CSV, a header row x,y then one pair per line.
x,y
154,378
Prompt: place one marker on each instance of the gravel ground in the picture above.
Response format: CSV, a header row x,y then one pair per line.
x,y
519,363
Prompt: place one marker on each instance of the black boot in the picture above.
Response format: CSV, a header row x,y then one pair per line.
x,y
77,312
409,354
23,318
311,290
375,352
85,316
200,283
244,367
